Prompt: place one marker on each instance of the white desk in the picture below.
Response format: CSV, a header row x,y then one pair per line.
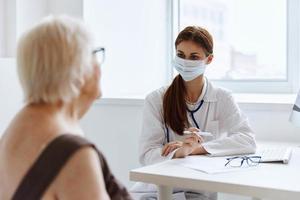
x,y
274,181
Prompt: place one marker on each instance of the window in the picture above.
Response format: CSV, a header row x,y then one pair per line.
x,y
254,42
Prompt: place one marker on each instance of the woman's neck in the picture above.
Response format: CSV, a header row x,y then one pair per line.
x,y
194,89
62,112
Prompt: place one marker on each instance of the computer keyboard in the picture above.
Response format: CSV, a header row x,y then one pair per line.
x,y
275,154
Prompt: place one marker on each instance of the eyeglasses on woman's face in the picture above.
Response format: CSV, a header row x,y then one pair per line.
x,y
99,54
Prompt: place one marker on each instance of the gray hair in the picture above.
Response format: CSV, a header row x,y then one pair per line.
x,y
53,57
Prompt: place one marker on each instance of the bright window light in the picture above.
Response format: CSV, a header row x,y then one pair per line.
x,y
250,37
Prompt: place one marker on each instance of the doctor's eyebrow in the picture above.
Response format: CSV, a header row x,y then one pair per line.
x,y
193,53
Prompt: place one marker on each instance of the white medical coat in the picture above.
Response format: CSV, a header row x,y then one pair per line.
x,y
219,115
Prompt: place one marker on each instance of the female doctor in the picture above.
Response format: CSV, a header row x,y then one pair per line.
x,y
192,103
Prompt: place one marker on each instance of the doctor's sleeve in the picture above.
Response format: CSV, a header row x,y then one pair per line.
x,y
235,134
152,136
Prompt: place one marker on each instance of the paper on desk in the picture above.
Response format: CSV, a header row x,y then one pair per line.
x,y
153,196
209,165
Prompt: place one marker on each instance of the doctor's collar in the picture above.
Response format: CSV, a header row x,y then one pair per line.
x,y
210,94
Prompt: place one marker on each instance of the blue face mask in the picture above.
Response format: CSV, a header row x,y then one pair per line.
x,y
189,69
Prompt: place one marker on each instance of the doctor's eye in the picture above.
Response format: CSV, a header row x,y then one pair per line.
x,y
194,57
180,55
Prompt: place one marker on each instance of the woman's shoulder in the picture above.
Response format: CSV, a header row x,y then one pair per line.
x,y
71,139
66,146
85,162
156,95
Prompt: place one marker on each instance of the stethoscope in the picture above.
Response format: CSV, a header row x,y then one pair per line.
x,y
192,112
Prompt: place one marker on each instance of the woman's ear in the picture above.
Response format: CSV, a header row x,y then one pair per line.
x,y
209,59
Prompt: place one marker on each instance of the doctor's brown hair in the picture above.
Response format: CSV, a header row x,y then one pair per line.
x,y
174,104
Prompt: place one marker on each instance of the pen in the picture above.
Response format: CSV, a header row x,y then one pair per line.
x,y
199,133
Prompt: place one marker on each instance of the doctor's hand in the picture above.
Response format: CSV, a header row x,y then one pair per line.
x,y
194,132
171,146
191,145
183,151
189,149
194,144
194,138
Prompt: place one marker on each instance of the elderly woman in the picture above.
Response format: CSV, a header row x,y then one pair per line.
x,y
42,152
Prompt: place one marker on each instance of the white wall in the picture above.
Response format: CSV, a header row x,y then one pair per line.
x,y
28,13
16,16
10,92
68,7
135,35
115,129
8,28
271,121
2,28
